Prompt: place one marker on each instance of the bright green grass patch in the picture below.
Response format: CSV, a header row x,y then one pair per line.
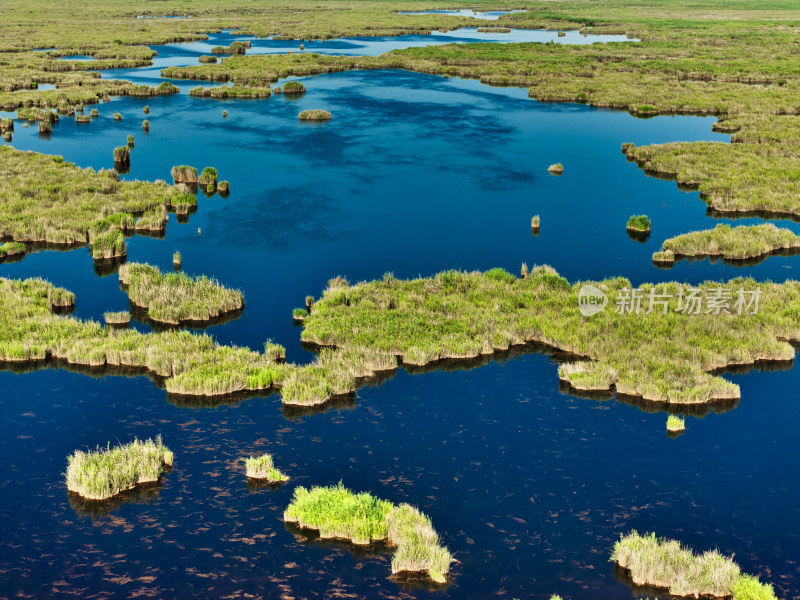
x,y
263,467
12,249
675,423
336,512
103,473
109,244
293,87
733,243
639,223
208,177
664,563
175,298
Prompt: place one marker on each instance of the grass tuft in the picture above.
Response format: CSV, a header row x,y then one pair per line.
x,y
262,467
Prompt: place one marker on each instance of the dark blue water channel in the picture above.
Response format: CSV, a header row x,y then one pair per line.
x,y
528,486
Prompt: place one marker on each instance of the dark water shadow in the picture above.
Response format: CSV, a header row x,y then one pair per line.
x,y
110,266
144,493
638,236
734,262
642,591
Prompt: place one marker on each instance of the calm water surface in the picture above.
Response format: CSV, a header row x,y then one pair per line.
x,y
528,486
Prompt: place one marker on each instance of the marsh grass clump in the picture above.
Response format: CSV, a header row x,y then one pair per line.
x,y
184,174
146,125
665,257
493,30
750,588
122,155
639,223
224,188
131,140
337,512
146,110
733,243
224,114
293,87
59,298
7,124
535,221
675,423
205,59
117,319
298,314
7,136
12,249
176,298
45,127
95,113
176,260
117,117
664,563
109,245
556,169
103,473
208,178
263,467
314,115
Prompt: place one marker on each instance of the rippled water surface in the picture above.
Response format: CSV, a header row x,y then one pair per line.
x,y
528,486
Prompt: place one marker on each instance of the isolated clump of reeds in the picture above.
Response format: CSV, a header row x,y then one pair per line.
x,y
224,187
535,222
7,124
263,467
176,260
7,136
45,127
117,319
664,563
293,87
556,169
12,249
60,298
117,117
184,174
131,140
205,59
176,298
337,512
146,125
95,113
208,177
314,114
675,423
122,155
639,223
105,472
146,110
224,114
493,30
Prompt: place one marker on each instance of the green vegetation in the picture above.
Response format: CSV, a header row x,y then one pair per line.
x,y
176,298
176,259
122,155
83,119
294,87
103,473
661,355
207,59
145,125
262,467
733,243
535,221
336,512
664,563
131,140
122,318
146,110
234,91
639,223
298,314
208,177
12,249
224,187
108,245
556,169
314,115
117,117
675,423
184,174
95,113
224,114
493,30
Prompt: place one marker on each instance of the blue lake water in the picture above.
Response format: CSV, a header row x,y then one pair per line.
x,y
528,486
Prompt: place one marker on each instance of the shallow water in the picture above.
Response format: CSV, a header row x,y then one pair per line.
x,y
414,174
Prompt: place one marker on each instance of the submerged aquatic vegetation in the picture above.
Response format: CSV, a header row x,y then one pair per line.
x,y
103,473
314,115
175,298
734,243
664,563
263,467
337,512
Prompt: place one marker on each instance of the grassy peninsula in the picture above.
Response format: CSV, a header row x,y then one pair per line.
x,y
733,243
